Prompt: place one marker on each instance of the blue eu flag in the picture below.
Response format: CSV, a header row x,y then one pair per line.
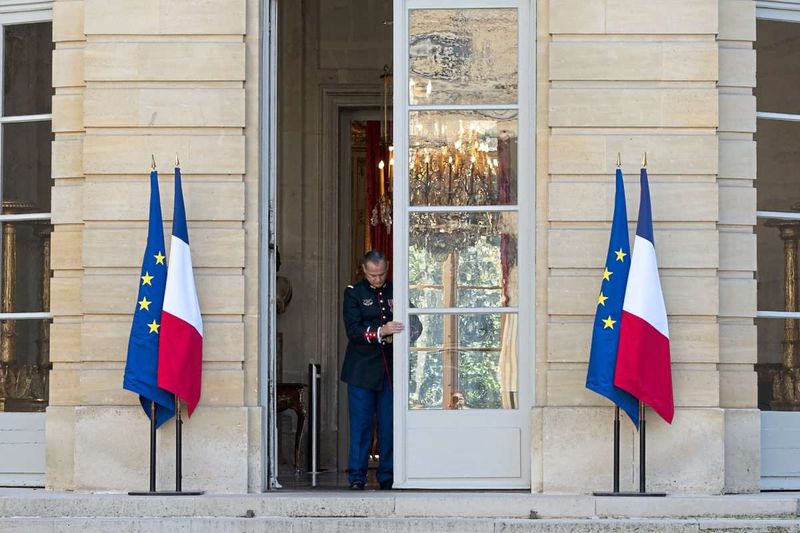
x,y
142,362
608,317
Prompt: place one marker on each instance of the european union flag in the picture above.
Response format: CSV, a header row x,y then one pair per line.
x,y
142,364
607,320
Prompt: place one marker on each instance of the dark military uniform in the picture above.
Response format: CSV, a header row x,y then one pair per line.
x,y
367,358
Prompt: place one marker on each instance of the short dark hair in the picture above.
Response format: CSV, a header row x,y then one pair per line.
x,y
373,256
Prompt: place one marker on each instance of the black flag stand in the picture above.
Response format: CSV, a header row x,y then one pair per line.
x,y
178,457
642,471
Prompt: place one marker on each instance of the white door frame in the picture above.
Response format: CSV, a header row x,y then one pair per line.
x,y
526,239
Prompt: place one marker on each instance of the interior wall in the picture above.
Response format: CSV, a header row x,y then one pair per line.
x,y
322,44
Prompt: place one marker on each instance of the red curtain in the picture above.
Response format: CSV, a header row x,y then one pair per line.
x,y
378,236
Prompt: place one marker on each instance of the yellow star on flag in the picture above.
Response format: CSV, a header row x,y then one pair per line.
x,y
144,304
153,326
607,274
160,258
146,279
608,323
620,255
601,300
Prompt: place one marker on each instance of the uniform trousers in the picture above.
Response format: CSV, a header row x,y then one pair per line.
x,y
364,405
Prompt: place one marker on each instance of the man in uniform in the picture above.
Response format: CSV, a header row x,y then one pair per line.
x,y
367,368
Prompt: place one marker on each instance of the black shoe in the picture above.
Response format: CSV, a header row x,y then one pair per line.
x,y
357,485
386,485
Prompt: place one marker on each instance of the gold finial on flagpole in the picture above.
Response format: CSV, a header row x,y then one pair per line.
x,y
619,160
644,160
153,161
177,161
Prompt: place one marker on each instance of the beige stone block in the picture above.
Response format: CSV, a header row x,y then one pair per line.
x,y
67,204
60,447
211,247
737,112
104,387
167,61
218,294
738,386
214,453
68,67
129,200
677,248
67,158
737,20
674,17
107,340
65,246
165,17
667,108
738,343
667,154
737,251
687,456
126,154
577,16
737,159
584,465
737,67
691,388
683,295
594,201
65,341
689,342
176,107
742,450
68,21
65,386
737,297
65,297
737,205
67,113
644,60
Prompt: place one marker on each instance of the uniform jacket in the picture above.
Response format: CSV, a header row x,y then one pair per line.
x,y
368,358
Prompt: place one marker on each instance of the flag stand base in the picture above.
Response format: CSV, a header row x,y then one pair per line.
x,y
632,494
166,493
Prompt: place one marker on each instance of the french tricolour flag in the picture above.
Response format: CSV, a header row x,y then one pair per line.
x,y
180,350
643,362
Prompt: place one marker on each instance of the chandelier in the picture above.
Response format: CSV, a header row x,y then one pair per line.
x,y
382,211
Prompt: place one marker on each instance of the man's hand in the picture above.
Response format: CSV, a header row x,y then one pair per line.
x,y
390,328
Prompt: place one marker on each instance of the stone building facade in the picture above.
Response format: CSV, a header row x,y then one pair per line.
x,y
674,79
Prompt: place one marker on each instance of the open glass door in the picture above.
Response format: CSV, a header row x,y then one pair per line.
x,y
463,246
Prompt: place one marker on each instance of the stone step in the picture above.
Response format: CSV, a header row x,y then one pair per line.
x,y
397,504
389,525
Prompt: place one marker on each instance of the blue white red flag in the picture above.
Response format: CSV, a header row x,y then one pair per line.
x,y
142,360
643,361
605,336
180,354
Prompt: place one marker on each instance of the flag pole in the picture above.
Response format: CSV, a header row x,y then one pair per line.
x,y
642,440
616,448
152,446
178,445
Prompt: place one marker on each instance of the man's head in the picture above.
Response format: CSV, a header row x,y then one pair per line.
x,y
375,267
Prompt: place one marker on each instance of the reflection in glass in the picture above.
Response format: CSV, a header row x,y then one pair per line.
x,y
24,366
463,158
778,161
463,259
27,69
463,56
777,55
464,361
26,166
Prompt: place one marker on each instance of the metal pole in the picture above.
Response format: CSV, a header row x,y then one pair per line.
x,y
178,444
152,446
642,440
616,449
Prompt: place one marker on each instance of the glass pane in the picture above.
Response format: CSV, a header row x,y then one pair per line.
x,y
462,56
27,69
463,259
778,164
24,365
25,274
778,75
26,167
462,158
464,362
